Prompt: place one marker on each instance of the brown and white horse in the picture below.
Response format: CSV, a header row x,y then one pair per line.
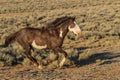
x,y
50,37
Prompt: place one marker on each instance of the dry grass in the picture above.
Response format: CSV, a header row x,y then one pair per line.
x,y
95,56
99,21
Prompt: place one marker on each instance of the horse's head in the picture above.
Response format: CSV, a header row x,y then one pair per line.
x,y
67,21
73,27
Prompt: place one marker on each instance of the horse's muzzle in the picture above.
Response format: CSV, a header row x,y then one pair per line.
x,y
79,34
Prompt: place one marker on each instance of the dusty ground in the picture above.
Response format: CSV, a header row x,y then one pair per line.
x,y
98,50
108,69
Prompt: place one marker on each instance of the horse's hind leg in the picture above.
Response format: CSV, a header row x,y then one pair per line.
x,y
28,54
27,49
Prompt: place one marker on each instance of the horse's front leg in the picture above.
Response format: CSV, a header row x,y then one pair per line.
x,y
64,58
56,54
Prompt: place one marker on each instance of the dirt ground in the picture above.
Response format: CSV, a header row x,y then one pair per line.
x,y
87,72
107,69
100,43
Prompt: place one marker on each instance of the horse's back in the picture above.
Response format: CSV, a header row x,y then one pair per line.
x,y
26,35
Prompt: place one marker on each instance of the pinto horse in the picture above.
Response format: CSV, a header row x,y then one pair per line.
x,y
50,37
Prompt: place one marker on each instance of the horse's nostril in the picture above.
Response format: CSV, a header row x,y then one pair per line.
x,y
79,33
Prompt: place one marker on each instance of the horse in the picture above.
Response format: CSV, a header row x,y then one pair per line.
x,y
49,37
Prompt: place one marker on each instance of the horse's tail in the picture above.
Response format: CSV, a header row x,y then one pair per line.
x,y
9,39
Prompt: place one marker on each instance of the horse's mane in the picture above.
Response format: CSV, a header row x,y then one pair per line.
x,y
58,21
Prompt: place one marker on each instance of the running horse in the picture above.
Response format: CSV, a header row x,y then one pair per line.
x,y
50,37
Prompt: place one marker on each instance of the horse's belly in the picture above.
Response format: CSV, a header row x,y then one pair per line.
x,y
38,46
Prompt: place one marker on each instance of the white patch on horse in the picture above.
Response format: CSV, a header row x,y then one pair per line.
x,y
76,25
61,33
75,29
37,46
62,62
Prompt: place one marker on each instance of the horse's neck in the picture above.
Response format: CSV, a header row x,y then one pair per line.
x,y
63,31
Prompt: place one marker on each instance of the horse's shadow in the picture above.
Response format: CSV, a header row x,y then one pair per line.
x,y
107,58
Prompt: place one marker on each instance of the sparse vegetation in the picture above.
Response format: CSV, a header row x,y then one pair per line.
x,y
99,21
